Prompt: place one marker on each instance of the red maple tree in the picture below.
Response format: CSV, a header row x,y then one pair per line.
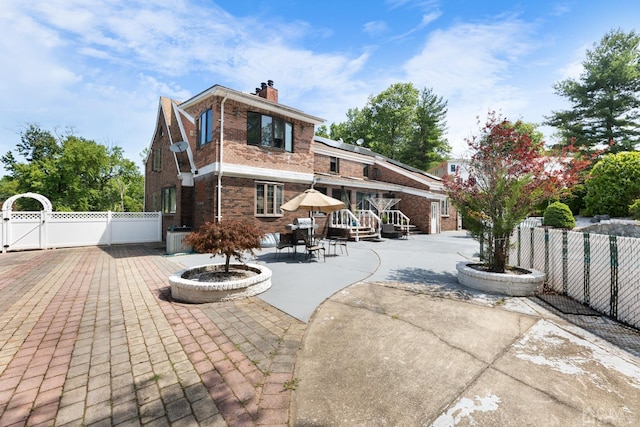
x,y
509,174
229,237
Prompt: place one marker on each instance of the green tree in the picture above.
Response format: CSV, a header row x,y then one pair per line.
x,y
401,123
509,173
357,126
428,145
323,131
605,100
613,184
73,172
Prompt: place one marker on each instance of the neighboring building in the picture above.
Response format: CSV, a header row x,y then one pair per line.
x,y
451,167
225,153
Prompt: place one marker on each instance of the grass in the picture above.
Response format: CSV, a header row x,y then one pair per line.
x,y
292,384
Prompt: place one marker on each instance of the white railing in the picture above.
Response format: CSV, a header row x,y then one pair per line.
x,y
370,220
395,217
43,230
343,218
346,219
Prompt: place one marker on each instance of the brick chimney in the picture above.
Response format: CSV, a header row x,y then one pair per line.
x,y
267,91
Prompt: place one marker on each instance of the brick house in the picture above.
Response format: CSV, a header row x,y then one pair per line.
x,y
226,153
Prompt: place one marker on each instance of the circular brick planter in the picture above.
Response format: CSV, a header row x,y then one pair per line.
x,y
516,285
194,291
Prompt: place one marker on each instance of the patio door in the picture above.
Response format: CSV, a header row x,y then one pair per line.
x,y
435,218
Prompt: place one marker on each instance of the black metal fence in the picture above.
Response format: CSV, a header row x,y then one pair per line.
x,y
598,270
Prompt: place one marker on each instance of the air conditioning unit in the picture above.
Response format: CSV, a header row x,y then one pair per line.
x,y
175,240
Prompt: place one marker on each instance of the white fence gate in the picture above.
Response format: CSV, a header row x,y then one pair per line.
x,y
46,229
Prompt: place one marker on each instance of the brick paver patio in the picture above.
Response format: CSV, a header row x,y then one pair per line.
x,y
89,336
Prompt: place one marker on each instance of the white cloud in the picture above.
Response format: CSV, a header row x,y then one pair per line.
x,y
375,28
472,66
426,20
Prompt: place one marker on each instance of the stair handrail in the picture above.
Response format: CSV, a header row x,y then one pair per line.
x,y
343,218
396,217
371,220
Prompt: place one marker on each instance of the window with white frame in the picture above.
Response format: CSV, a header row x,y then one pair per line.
x,y
269,197
452,168
267,131
205,127
169,200
444,207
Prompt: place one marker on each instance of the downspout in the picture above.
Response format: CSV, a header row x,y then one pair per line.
x,y
219,214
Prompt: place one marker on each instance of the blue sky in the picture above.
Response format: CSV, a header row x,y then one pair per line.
x,y
100,66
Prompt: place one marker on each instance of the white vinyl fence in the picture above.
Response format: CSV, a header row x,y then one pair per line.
x,y
43,230
598,270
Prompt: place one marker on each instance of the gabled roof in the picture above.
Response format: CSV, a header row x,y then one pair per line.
x,y
252,100
167,109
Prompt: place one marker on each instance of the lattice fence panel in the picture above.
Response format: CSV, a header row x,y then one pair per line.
x,y
26,216
134,215
74,216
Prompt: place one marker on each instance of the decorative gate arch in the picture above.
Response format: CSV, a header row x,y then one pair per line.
x,y
46,203
25,230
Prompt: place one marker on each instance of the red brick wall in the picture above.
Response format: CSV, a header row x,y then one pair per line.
x,y
237,151
345,167
239,202
166,177
387,175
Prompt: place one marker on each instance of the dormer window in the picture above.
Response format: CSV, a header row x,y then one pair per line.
x,y
270,132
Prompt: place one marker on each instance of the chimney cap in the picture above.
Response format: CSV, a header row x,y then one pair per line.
x,y
263,84
270,83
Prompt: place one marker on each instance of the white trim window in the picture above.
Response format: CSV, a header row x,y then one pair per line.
x,y
444,207
205,127
269,198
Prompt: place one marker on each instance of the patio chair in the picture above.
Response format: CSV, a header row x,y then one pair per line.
x,y
389,231
335,241
284,241
313,246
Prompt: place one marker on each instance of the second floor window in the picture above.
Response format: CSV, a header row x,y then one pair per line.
x,y
267,131
334,165
205,127
156,158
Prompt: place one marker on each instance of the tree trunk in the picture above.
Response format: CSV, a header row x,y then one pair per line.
x,y
499,261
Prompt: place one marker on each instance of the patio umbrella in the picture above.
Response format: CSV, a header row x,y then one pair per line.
x,y
311,201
